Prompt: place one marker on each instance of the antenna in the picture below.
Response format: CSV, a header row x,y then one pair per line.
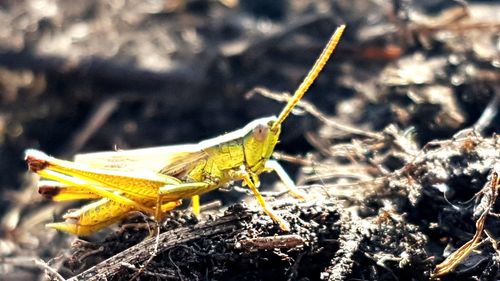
x,y
311,76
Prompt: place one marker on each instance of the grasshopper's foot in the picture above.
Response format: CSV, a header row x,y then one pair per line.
x,y
284,225
154,230
250,182
298,194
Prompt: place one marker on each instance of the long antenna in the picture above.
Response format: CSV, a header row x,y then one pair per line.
x,y
311,76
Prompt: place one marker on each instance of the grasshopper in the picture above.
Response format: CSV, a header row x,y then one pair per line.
x,y
155,180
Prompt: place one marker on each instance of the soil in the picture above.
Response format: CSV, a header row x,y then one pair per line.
x,y
395,143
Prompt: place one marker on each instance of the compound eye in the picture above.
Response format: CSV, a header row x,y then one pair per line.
x,y
260,132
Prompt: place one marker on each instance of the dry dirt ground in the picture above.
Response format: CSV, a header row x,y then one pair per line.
x,y
395,142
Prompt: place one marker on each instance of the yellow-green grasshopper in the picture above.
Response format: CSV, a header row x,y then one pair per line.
x,y
155,180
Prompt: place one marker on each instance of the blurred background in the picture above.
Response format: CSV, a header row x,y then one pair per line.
x,y
82,76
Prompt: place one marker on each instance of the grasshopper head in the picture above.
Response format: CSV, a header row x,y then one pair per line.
x,y
261,135
259,142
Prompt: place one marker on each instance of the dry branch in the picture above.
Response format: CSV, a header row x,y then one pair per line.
x,y
167,240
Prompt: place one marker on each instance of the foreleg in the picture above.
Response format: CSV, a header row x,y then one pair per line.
x,y
247,179
273,165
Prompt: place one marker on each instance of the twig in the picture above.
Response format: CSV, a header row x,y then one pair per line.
x,y
179,273
272,242
31,262
310,108
451,262
90,253
489,113
149,273
350,240
153,254
293,271
380,261
459,27
100,115
295,159
167,240
213,205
